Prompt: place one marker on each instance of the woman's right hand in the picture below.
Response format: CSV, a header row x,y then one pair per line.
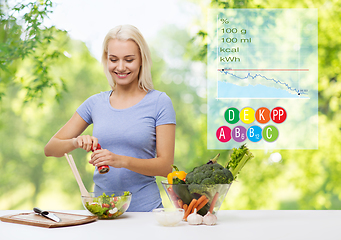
x,y
86,142
68,138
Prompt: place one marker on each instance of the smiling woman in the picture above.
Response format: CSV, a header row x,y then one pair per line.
x,y
124,67
134,124
116,41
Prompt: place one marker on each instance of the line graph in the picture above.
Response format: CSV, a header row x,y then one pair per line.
x,y
265,69
246,46
281,89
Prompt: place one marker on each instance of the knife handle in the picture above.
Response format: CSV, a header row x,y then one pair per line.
x,y
39,211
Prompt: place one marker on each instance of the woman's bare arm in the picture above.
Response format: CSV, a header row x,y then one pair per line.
x,y
68,138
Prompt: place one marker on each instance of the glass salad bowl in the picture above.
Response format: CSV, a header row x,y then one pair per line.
x,y
211,196
107,205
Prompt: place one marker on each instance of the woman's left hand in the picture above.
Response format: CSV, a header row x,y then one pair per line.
x,y
105,157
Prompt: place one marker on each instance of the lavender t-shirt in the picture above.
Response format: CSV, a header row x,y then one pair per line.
x,y
129,132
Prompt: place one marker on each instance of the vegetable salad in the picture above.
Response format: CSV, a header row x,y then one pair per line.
x,y
108,207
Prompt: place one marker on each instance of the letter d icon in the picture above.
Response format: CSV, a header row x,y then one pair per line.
x,y
232,115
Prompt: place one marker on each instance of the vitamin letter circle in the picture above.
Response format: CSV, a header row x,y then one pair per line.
x,y
254,133
278,115
232,115
223,134
263,115
270,133
247,115
239,134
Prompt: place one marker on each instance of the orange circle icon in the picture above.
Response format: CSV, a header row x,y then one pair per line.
x,y
263,115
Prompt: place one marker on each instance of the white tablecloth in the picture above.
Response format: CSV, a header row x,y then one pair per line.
x,y
232,225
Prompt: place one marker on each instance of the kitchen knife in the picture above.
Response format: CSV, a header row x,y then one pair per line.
x,y
47,214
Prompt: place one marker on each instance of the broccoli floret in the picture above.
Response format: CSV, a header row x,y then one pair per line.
x,y
199,176
190,178
222,176
199,189
208,181
209,174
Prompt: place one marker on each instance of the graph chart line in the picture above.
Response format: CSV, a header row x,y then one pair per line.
x,y
264,69
266,78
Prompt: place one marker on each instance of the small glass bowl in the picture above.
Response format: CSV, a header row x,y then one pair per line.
x,y
168,216
106,207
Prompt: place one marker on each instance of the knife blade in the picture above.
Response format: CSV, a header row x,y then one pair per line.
x,y
47,214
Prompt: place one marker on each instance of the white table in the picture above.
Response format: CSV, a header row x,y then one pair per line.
x,y
232,225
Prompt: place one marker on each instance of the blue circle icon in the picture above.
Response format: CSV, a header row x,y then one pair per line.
x,y
254,133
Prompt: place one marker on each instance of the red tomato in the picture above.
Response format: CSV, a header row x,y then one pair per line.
x,y
105,205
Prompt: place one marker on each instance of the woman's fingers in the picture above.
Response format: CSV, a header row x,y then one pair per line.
x,y
96,157
86,142
100,157
94,142
105,157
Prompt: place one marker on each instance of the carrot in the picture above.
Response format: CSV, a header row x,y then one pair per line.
x,y
197,203
200,200
201,205
214,200
189,209
180,203
185,206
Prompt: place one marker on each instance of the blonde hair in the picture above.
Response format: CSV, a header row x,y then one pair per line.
x,y
129,32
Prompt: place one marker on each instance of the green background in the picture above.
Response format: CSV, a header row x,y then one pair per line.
x,y
46,75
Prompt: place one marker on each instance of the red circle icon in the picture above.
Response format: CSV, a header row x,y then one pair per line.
x,y
278,115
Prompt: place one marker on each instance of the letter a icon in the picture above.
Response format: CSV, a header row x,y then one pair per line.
x,y
223,134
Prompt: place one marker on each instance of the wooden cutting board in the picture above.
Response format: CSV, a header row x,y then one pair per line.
x,y
34,219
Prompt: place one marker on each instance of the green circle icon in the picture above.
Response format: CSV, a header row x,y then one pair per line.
x,y
232,115
270,133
